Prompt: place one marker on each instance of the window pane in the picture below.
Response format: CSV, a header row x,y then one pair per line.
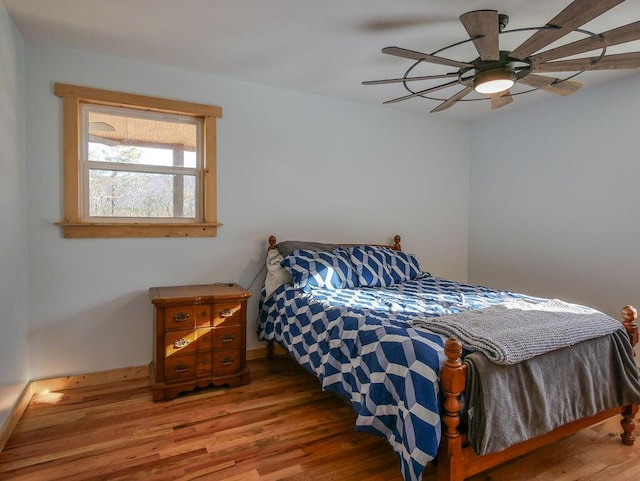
x,y
134,194
130,138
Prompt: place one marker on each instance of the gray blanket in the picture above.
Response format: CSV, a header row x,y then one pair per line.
x,y
521,329
507,404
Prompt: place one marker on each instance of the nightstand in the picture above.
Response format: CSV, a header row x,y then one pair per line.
x,y
199,338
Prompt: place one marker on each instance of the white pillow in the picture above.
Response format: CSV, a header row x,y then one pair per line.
x,y
276,274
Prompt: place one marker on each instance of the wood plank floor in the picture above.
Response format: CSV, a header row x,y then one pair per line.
x,y
280,427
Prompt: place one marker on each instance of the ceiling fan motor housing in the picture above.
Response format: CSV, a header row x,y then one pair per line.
x,y
503,21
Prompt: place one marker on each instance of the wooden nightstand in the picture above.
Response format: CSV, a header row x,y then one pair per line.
x,y
199,337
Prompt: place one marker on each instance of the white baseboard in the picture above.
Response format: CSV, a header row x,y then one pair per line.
x,y
14,416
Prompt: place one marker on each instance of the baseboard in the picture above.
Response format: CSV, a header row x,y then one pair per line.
x,y
261,352
91,379
14,416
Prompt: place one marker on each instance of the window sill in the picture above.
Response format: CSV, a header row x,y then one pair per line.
x,y
120,230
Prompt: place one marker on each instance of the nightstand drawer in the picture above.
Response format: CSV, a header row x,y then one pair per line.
x,y
226,361
180,367
227,337
179,317
226,313
203,315
205,339
179,342
203,364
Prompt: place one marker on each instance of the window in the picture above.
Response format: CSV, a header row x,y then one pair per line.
x,y
137,166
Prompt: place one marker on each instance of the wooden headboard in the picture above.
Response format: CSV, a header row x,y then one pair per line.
x,y
395,246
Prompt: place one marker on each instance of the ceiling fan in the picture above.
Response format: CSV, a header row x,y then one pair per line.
x,y
100,139
494,72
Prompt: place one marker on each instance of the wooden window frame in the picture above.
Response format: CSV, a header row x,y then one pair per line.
x,y
73,225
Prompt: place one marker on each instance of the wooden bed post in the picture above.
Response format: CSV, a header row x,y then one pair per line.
x,y
270,353
452,381
629,315
272,242
396,243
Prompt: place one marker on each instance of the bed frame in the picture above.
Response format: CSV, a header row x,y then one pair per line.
x,y
456,459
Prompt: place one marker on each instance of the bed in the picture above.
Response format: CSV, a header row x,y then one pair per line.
x,y
377,330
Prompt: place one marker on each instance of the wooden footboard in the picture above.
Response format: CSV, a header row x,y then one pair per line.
x,y
629,316
452,381
455,462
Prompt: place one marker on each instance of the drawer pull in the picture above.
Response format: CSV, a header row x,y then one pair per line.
x,y
227,361
226,313
180,317
180,343
181,368
203,314
228,337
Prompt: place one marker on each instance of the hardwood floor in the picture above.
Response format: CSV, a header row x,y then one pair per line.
x,y
280,427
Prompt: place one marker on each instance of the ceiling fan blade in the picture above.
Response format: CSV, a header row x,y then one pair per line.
x,y
608,62
409,79
413,55
452,100
421,92
101,127
574,16
501,99
103,140
482,27
626,33
551,84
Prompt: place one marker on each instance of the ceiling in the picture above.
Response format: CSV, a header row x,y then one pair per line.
x,y
324,47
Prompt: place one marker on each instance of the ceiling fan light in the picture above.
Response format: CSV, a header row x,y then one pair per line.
x,y
494,81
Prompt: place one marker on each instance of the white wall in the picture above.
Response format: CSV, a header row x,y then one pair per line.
x,y
554,201
14,319
292,164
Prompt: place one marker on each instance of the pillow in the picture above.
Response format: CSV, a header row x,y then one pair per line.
x,y
276,274
330,270
287,247
404,266
372,266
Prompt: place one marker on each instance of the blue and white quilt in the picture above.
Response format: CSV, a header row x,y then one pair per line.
x,y
359,342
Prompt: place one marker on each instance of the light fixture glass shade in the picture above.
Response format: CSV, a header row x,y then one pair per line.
x,y
494,81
